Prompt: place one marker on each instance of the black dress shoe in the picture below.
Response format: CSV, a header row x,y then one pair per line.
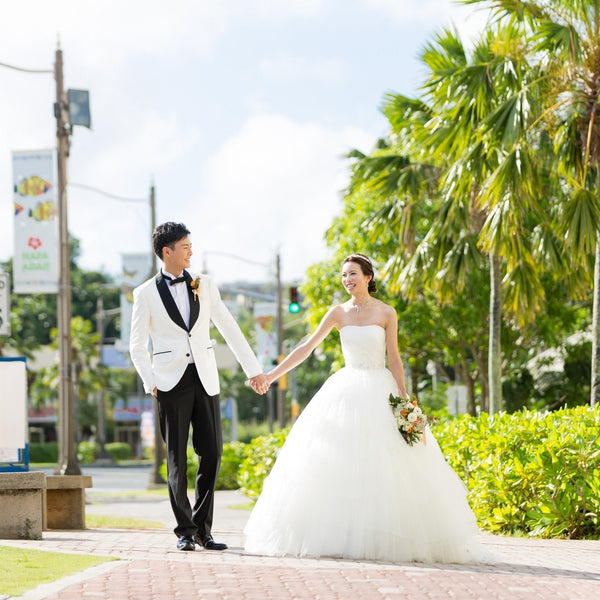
x,y
208,542
185,543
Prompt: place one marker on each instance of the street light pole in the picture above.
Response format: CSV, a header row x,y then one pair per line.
x,y
101,454
280,392
155,476
67,461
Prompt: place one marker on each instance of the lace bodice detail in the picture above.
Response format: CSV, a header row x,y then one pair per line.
x,y
363,346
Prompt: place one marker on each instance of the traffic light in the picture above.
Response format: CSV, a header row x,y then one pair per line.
x,y
294,305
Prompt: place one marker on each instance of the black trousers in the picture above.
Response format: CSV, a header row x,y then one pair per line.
x,y
184,405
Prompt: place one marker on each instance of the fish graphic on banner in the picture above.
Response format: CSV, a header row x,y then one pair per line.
x,y
32,186
44,211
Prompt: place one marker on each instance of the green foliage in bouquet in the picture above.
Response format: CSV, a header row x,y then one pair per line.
x,y
529,473
410,419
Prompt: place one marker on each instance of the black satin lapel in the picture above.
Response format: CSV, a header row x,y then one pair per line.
x,y
194,302
169,302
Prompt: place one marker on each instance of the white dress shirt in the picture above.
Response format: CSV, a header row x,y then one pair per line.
x,y
182,300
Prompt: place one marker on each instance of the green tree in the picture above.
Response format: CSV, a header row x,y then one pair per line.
x,y
33,316
459,183
89,377
563,39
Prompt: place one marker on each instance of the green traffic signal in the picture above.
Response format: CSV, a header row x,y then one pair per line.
x,y
294,305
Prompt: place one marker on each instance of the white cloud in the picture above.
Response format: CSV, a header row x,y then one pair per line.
x,y
137,148
108,33
287,68
245,175
273,186
409,11
468,20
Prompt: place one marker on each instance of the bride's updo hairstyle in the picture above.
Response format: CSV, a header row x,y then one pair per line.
x,y
366,266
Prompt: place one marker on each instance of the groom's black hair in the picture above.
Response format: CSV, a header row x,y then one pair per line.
x,y
166,235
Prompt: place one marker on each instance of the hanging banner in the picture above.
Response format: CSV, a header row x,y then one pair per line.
x,y
35,260
136,269
265,315
4,304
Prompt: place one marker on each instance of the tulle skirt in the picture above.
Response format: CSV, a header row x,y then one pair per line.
x,y
346,484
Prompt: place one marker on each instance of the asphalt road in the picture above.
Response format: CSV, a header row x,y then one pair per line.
x,y
114,478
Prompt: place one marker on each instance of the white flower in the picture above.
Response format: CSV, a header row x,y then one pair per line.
x,y
412,417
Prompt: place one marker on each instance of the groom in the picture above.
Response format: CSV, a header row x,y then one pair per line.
x,y
173,310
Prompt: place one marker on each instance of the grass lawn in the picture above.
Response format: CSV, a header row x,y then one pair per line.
x,y
245,506
23,569
105,522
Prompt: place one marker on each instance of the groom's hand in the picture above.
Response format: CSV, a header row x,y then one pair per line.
x,y
259,383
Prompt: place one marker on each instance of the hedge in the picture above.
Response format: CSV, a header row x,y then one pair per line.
x,y
530,473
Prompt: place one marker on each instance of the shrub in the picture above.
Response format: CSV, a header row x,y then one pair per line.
x,y
529,473
233,454
86,452
259,457
119,450
249,431
44,452
228,473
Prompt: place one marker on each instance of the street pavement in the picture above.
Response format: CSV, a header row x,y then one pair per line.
x,y
150,566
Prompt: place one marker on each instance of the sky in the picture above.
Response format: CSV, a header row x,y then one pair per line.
x,y
239,112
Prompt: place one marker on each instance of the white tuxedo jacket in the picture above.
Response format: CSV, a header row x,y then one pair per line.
x,y
156,318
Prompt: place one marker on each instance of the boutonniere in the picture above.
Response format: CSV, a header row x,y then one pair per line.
x,y
195,285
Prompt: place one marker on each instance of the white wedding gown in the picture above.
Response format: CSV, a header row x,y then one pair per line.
x,y
346,484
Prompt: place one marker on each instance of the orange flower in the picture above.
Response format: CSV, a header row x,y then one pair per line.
x,y
195,287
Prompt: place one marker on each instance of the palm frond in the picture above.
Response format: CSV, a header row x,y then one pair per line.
x,y
580,220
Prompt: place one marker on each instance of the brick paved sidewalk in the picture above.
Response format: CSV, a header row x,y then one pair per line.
x,y
151,568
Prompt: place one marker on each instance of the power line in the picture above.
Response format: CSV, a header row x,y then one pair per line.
x,y
26,70
107,194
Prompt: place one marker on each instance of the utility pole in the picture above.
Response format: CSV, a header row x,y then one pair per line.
x,y
155,477
280,392
67,459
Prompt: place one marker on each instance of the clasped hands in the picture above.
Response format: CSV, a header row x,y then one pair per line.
x,y
259,383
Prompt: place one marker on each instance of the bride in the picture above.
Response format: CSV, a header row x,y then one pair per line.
x,y
345,483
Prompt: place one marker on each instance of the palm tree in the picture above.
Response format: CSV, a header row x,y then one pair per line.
x,y
467,141
563,38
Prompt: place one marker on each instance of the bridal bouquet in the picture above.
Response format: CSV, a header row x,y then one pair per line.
x,y
411,420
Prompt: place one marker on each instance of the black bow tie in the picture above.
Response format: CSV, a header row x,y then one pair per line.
x,y
174,281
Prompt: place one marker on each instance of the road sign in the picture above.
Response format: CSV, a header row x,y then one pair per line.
x,y
4,304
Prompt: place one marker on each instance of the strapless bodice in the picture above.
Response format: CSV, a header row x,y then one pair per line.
x,y
363,346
